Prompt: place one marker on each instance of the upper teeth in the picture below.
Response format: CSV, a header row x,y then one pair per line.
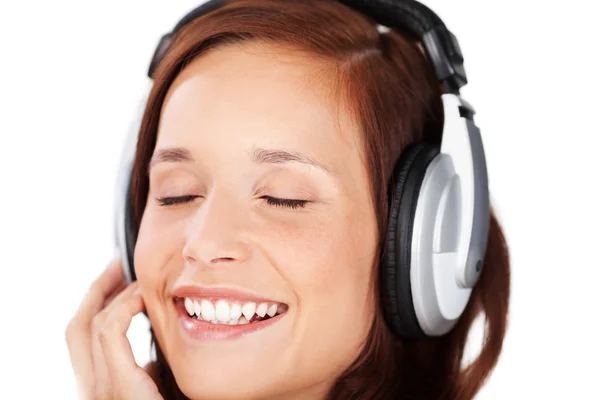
x,y
224,312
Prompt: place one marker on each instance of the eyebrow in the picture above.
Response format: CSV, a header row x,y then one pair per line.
x,y
282,156
171,154
259,156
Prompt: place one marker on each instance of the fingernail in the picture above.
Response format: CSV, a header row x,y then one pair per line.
x,y
137,291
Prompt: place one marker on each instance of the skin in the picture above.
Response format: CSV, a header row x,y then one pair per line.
x,y
317,259
96,337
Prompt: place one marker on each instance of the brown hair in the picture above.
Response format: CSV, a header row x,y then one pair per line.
x,y
391,88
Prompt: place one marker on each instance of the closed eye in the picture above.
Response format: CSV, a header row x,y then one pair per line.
x,y
170,201
272,201
288,203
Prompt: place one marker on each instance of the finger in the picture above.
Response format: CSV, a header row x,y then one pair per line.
x,y
113,336
117,299
99,320
77,334
114,294
103,287
80,354
101,373
126,375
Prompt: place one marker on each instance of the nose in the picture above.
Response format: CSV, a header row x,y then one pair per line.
x,y
215,234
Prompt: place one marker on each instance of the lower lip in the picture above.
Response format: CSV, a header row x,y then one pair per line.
x,y
202,330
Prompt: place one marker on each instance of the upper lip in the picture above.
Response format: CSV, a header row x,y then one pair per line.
x,y
225,293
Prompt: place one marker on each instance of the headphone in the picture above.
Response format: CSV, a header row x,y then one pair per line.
x,y
439,209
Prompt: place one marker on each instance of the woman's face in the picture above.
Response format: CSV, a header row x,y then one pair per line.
x,y
280,291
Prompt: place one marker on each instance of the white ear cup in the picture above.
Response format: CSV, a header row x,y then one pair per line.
x,y
446,220
462,141
437,298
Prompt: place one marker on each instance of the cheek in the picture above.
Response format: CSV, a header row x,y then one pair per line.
x,y
157,252
329,266
157,245
333,260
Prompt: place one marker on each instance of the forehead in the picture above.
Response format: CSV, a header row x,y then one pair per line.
x,y
249,95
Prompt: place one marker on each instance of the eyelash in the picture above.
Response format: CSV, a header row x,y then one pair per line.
x,y
272,201
288,203
171,201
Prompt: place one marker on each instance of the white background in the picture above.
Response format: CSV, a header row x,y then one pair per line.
x,y
71,73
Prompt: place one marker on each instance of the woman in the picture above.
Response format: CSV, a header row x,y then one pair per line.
x,y
260,191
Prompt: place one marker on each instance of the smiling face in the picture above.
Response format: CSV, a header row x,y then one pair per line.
x,y
244,130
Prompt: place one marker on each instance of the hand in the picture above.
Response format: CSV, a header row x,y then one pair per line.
x,y
100,352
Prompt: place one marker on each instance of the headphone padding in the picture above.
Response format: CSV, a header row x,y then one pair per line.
x,y
396,285
130,235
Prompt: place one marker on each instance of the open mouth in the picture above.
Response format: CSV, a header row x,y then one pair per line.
x,y
225,312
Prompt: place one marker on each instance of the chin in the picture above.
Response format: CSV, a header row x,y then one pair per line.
x,y
252,374
219,361
210,387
